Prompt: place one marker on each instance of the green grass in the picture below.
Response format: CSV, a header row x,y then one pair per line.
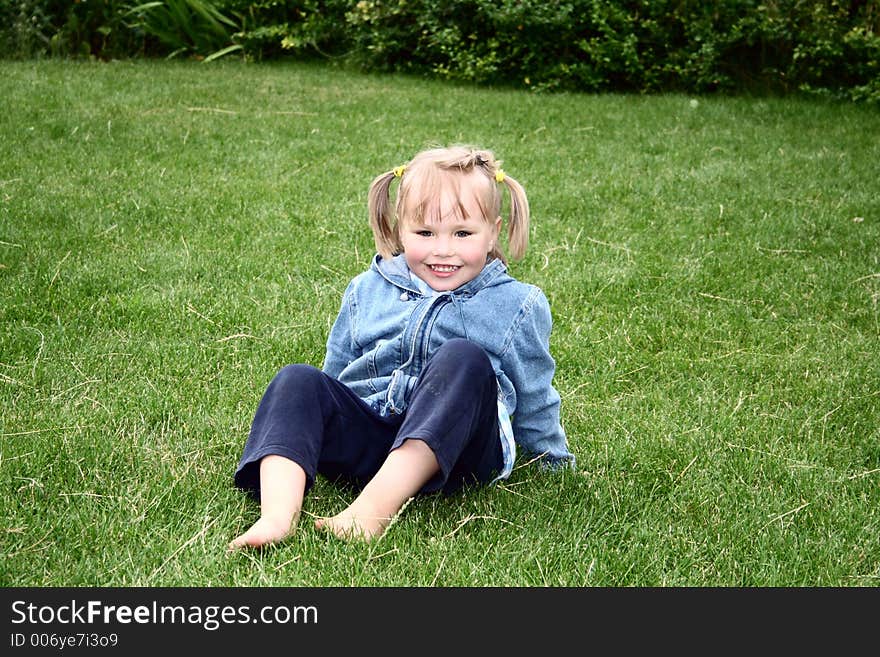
x,y
172,233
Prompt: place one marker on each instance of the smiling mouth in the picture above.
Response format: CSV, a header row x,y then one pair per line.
x,y
444,269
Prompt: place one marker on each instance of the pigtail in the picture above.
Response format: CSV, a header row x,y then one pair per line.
x,y
385,235
518,221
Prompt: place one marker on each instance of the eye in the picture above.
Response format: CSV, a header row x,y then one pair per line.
x,y
424,233
463,233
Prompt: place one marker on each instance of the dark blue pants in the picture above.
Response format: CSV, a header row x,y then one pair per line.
x,y
318,422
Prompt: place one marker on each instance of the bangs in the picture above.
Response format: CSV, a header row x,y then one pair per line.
x,y
425,185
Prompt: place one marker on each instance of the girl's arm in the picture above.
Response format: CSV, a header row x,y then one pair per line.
x,y
341,343
530,367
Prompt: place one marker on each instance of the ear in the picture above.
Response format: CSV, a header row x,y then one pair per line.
x,y
497,227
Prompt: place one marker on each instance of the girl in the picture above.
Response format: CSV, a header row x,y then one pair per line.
x,y
437,366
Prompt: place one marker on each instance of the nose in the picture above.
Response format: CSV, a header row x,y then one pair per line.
x,y
443,247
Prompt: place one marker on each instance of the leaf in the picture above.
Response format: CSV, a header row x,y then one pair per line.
x,y
144,7
220,53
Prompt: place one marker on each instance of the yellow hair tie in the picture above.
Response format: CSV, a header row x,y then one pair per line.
x,y
398,171
499,176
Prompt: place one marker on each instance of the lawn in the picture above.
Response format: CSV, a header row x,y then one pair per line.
x,y
172,233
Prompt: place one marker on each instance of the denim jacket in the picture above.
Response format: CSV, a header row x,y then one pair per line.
x,y
386,330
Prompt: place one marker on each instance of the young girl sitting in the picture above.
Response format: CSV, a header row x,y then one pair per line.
x,y
437,366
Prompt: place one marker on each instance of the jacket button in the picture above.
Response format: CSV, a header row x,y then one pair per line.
x,y
404,297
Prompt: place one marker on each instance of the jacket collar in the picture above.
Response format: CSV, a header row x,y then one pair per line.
x,y
396,272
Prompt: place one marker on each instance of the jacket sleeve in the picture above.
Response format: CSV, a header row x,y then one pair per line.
x,y
341,343
530,367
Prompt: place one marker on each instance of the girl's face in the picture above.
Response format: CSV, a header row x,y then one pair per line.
x,y
449,249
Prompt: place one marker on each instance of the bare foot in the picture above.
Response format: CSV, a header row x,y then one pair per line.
x,y
403,473
264,532
357,522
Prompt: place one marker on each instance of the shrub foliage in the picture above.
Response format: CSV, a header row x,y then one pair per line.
x,y
821,46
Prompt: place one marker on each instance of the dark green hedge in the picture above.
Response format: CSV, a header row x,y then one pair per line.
x,y
636,45
817,46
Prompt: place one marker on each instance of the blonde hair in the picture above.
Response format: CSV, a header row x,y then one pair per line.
x,y
422,181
